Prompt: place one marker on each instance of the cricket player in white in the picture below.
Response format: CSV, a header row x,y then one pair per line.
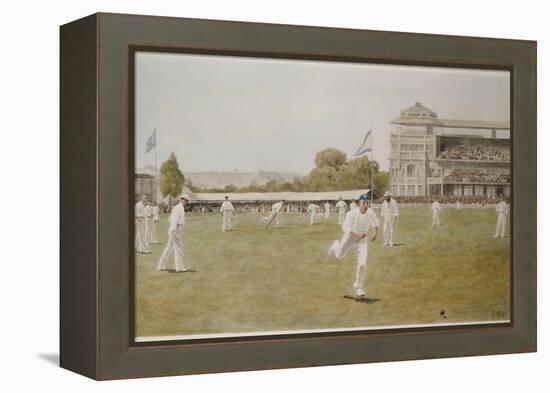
x,y
175,244
327,210
312,210
341,206
142,245
353,205
390,212
502,211
227,212
436,208
356,227
275,214
149,222
156,221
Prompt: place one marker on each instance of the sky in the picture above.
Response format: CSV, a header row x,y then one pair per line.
x,y
225,113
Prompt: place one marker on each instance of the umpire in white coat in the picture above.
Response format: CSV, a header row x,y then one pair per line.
x,y
175,244
356,227
227,211
390,212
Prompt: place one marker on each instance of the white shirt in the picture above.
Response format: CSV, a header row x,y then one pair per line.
x,y
156,212
502,208
341,205
311,208
148,211
227,206
140,210
177,217
390,210
276,207
358,222
436,206
327,207
353,206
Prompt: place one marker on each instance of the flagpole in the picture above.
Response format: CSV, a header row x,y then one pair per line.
x,y
372,167
156,167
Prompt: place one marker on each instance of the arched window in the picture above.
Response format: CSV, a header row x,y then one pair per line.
x,y
411,170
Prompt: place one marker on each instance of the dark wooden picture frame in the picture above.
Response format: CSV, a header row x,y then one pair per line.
x,y
97,321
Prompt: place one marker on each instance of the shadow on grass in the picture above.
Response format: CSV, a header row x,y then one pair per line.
x,y
184,271
366,300
396,245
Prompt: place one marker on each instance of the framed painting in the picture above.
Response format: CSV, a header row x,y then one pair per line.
x,y
254,196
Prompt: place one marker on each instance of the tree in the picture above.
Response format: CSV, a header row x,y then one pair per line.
x,y
230,188
171,178
330,157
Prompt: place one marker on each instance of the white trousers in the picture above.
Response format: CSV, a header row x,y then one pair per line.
x,y
149,228
340,248
153,232
227,220
273,217
389,230
312,216
142,245
435,217
501,224
341,216
327,214
174,245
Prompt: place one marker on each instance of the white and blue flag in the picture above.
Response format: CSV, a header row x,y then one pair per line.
x,y
366,146
151,142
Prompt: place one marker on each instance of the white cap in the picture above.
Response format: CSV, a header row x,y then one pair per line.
x,y
387,193
185,196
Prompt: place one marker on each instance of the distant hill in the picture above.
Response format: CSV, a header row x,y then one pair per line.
x,y
239,179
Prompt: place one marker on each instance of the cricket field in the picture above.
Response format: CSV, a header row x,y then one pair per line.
x,y
281,279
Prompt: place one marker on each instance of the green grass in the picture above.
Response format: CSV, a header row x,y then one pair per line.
x,y
252,280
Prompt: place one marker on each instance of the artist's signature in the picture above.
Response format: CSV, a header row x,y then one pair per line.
x,y
496,314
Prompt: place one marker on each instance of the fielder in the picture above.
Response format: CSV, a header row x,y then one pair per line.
x,y
341,206
142,245
436,208
175,244
274,215
148,222
227,211
156,221
353,205
327,210
356,226
390,212
313,210
502,211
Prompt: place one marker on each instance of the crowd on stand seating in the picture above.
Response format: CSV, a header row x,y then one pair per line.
x,y
477,176
475,152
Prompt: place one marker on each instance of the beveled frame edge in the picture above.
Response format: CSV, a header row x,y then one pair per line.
x,y
118,360
78,272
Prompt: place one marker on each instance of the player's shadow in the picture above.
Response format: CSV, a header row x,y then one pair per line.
x,y
397,245
181,272
366,300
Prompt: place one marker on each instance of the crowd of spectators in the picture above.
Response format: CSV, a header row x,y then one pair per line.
x,y
475,152
446,199
301,207
477,176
